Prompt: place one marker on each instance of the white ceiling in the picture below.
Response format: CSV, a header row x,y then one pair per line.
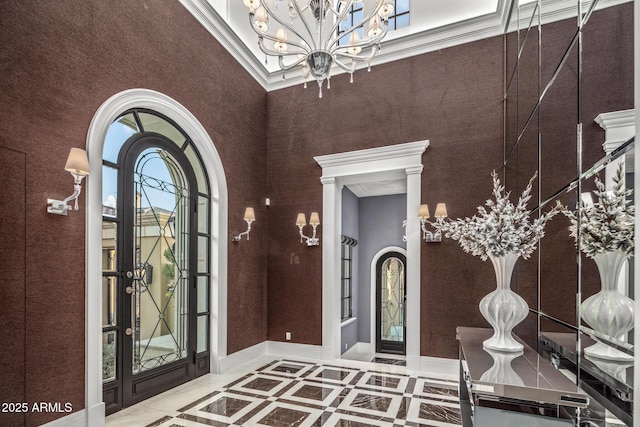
x,y
435,24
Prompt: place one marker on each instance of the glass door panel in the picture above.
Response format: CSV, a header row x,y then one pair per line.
x,y
160,305
391,304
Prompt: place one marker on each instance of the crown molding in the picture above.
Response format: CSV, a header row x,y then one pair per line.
x,y
466,31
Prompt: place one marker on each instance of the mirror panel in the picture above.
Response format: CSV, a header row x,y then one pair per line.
x,y
557,38
558,130
558,269
564,76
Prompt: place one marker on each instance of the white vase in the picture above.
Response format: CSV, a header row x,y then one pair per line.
x,y
608,312
503,308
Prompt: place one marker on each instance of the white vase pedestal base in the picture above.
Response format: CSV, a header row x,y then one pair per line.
x,y
606,352
503,308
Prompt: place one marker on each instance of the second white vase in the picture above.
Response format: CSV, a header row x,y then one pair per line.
x,y
609,312
503,308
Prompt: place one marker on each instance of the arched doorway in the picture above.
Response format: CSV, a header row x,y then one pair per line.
x,y
391,298
215,325
156,203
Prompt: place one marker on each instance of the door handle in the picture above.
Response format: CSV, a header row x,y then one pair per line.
x,y
128,331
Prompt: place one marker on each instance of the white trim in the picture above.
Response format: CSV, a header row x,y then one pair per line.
x,y
372,300
359,351
243,356
106,114
348,321
289,350
445,368
375,164
76,419
619,126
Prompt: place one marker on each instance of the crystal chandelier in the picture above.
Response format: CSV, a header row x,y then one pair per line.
x,y
307,35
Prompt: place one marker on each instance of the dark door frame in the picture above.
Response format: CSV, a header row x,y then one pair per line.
x,y
129,389
394,347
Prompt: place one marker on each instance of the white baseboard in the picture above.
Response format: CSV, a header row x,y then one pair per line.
x,y
76,419
443,368
359,351
287,349
243,356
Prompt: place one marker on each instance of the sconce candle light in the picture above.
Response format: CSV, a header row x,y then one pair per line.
x,y
423,214
249,217
78,166
314,221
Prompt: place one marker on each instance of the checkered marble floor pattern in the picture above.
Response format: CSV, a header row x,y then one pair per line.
x,y
293,393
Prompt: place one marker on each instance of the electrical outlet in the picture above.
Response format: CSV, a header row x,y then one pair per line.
x,y
346,346
287,336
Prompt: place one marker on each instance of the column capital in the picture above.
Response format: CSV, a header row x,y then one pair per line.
x,y
327,180
414,170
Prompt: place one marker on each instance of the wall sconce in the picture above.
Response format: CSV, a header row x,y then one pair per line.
x,y
314,221
423,214
78,166
249,216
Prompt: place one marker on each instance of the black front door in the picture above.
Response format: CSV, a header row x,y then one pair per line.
x,y
157,255
390,303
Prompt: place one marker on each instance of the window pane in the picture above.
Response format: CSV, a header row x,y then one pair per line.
x,y
109,246
203,215
197,169
109,300
153,123
402,6
392,24
203,294
109,191
402,21
203,332
109,356
118,133
203,254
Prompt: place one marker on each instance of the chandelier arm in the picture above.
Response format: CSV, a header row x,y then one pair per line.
x,y
306,24
364,44
285,67
273,52
343,66
358,58
340,17
334,40
279,21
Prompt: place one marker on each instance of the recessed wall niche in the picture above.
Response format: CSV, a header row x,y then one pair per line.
x,y
560,76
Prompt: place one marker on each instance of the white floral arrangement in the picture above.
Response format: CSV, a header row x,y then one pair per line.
x,y
500,229
607,225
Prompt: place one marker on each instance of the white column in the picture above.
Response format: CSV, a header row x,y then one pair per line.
x,y
330,243
413,267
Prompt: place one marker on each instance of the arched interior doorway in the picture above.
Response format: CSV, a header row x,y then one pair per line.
x,y
390,283
168,108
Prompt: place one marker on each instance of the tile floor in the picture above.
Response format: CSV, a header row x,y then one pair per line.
x,y
283,392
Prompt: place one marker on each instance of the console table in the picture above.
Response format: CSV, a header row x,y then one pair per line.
x,y
500,389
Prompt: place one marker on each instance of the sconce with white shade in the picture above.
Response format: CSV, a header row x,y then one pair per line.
x,y
78,166
440,215
249,217
314,221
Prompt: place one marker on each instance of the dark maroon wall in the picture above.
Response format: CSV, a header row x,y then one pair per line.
x,y
59,61
452,98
